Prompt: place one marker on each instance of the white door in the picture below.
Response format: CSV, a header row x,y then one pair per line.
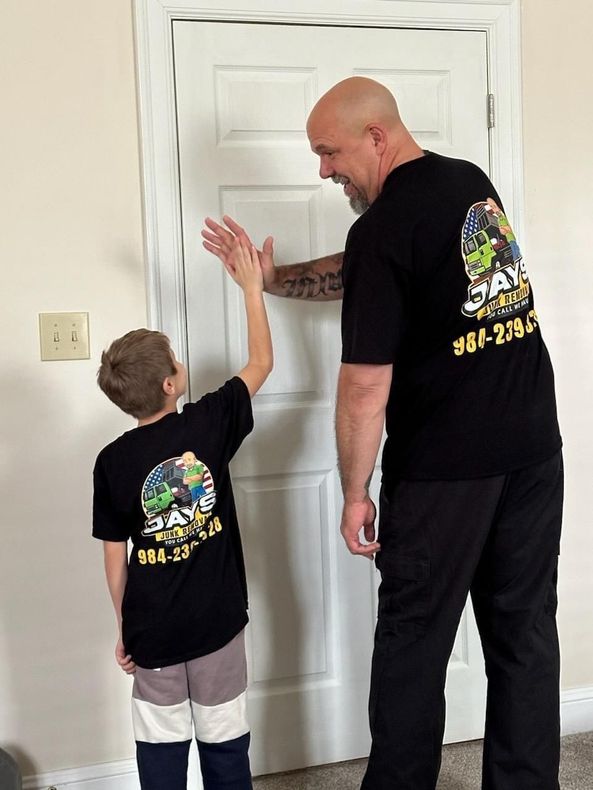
x,y
243,95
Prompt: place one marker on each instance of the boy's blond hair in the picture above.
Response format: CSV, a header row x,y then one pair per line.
x,y
133,370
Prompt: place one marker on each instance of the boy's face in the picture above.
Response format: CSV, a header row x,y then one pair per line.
x,y
180,377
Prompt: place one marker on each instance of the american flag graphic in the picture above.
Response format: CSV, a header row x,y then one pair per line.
x,y
471,221
155,477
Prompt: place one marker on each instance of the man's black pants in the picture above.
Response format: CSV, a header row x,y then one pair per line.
x,y
497,537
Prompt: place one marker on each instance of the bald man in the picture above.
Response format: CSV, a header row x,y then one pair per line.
x,y
440,339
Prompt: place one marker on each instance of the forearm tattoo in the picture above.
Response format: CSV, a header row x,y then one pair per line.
x,y
313,285
303,282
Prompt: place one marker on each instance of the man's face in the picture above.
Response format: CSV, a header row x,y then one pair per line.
x,y
189,459
347,159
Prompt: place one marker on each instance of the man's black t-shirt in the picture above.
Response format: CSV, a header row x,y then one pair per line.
x,y
166,485
435,283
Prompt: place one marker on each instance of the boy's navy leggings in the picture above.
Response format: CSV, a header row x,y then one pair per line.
x,y
497,538
208,692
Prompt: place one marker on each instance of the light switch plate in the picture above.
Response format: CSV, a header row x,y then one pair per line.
x,y
64,335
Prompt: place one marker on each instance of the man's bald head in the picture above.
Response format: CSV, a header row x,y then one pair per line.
x,y
356,103
356,131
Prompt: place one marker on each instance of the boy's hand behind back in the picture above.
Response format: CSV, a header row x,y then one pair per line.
x,y
244,266
124,660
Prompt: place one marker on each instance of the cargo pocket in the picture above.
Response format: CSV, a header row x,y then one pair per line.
x,y
404,593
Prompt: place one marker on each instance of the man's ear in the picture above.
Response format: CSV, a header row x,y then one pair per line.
x,y
379,137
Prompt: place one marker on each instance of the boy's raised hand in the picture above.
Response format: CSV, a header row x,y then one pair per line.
x,y
243,265
220,240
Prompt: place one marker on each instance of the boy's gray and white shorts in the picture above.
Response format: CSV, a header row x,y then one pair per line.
x,y
208,692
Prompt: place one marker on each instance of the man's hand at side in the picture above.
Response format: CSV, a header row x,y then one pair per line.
x,y
357,516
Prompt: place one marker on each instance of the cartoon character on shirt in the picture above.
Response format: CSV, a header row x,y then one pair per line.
x,y
194,475
505,228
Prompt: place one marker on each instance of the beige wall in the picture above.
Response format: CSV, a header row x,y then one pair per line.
x,y
558,116
71,239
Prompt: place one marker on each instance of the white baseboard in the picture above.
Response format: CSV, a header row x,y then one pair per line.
x,y
576,711
121,775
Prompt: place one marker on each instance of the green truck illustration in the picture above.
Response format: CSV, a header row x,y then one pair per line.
x,y
488,248
170,493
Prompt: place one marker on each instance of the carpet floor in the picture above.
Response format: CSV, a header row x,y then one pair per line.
x,y
460,770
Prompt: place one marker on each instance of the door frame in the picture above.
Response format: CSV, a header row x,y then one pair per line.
x,y
499,19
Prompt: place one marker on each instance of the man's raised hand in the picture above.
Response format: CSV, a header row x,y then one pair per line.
x,y
219,241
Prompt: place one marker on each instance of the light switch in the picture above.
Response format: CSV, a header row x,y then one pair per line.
x,y
64,335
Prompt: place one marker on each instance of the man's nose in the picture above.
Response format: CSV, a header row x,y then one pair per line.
x,y
325,170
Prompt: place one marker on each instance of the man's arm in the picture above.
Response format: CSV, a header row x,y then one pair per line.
x,y
319,280
363,391
116,573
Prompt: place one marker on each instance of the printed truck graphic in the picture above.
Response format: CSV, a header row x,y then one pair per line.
x,y
499,284
170,492
487,249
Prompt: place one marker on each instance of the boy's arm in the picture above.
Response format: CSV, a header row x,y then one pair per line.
x,y
116,573
318,280
247,274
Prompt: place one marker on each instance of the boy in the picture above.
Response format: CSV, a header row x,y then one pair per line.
x,y
181,599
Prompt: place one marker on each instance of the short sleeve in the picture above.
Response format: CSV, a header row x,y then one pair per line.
x,y
374,305
229,409
107,525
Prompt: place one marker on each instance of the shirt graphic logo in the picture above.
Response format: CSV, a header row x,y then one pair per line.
x,y
498,277
177,497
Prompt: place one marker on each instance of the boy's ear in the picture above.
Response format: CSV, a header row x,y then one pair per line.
x,y
168,386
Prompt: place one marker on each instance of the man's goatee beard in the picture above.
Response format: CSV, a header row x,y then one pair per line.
x,y
358,204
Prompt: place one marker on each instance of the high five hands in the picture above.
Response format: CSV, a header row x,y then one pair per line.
x,y
220,242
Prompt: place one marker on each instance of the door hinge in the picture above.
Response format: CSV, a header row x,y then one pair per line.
x,y
491,112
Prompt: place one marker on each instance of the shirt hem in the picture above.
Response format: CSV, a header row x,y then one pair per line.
x,y
390,478
192,654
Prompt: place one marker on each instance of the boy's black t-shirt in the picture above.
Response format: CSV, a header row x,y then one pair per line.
x,y
435,283
166,486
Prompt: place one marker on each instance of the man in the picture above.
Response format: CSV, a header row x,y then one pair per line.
x,y
194,475
440,337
